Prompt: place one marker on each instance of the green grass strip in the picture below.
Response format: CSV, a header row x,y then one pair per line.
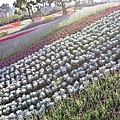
x,y
3,34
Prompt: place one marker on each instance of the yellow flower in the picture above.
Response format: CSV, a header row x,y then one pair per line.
x,y
49,16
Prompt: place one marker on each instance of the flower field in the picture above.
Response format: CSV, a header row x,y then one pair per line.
x,y
50,71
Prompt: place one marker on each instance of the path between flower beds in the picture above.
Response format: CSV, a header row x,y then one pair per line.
x,y
61,34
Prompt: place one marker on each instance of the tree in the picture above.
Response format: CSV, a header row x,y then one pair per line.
x,y
89,2
39,11
17,12
50,1
62,3
43,2
30,5
77,2
25,5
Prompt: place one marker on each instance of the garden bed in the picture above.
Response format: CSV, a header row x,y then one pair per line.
x,y
37,82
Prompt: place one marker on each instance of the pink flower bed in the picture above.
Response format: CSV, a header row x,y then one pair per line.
x,y
38,18
61,34
16,24
9,26
5,28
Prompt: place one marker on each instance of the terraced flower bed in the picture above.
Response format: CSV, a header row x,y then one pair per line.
x,y
61,34
37,82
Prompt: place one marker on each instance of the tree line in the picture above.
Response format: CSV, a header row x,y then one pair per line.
x,y
29,5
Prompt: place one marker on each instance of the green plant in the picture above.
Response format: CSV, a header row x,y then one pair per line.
x,y
3,34
10,18
99,101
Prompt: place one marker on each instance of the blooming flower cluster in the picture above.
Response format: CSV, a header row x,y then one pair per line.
x,y
64,67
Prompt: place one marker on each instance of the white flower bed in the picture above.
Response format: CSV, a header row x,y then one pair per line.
x,y
62,68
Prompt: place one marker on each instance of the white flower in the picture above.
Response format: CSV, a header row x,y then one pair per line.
x,y
42,95
62,91
76,84
31,107
51,104
0,112
81,87
29,86
57,98
63,84
12,116
42,108
35,84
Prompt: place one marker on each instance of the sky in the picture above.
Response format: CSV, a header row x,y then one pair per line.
x,y
10,2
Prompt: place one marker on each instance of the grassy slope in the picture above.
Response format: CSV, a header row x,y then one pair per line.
x,y
100,101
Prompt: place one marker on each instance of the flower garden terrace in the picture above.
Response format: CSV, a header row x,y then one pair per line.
x,y
64,67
